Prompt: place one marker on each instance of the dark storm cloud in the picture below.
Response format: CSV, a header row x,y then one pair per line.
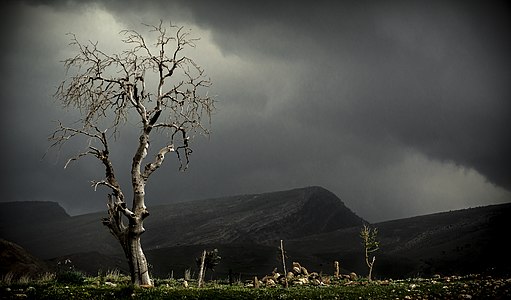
x,y
433,75
391,105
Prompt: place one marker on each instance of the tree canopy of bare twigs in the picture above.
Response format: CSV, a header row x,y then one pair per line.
x,y
152,84
107,88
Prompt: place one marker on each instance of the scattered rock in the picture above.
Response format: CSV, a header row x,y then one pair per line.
x,y
298,275
301,281
290,275
296,269
110,284
353,276
276,275
270,282
256,282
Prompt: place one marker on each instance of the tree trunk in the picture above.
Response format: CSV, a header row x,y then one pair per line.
x,y
283,262
371,269
137,262
132,246
201,271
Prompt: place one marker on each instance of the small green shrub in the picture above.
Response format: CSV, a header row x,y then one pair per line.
x,y
70,277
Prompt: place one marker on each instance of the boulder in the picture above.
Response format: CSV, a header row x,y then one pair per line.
x,y
353,276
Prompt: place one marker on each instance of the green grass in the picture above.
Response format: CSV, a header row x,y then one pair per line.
x,y
116,286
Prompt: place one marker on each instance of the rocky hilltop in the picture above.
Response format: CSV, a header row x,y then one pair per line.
x,y
256,218
314,223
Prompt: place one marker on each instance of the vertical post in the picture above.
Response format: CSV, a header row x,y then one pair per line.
x,y
283,261
336,269
201,271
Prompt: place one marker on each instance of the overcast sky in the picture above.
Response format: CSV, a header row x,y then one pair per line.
x,y
400,108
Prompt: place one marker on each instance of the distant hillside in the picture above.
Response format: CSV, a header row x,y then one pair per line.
x,y
257,218
456,242
316,226
18,262
30,211
24,222
46,230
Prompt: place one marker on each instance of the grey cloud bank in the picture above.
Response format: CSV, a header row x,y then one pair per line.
x,y
400,108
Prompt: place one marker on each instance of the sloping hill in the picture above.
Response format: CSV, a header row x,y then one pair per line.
x,y
14,213
463,241
316,226
258,218
47,231
17,262
32,224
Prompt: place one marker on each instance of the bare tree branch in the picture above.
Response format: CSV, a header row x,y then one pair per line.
x,y
151,167
110,89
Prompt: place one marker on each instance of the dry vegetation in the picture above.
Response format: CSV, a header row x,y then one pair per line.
x,y
114,285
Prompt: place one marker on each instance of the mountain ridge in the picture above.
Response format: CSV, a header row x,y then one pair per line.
x,y
315,225
287,211
259,218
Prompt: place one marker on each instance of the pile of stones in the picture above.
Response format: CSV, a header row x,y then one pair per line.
x,y
298,275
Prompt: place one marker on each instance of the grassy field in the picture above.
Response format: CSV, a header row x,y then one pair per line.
x,y
117,287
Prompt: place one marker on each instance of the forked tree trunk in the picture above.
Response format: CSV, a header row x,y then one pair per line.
x,y
139,269
129,236
133,249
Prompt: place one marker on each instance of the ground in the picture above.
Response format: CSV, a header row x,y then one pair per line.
x,y
117,287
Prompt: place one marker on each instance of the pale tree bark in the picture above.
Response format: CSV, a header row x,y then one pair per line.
x,y
202,270
108,89
283,256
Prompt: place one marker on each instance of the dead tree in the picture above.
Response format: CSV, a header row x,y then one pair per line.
x,y
371,245
159,90
201,269
283,256
208,260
